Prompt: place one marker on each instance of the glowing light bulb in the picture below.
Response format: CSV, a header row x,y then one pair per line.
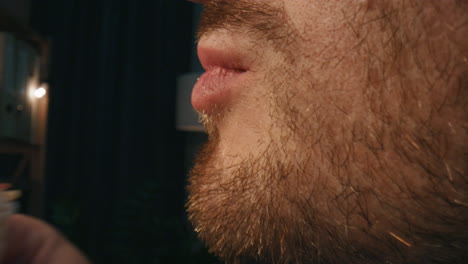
x,y
40,92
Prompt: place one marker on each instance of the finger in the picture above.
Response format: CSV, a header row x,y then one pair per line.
x,y
29,240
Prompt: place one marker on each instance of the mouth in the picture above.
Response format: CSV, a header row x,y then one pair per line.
x,y
226,71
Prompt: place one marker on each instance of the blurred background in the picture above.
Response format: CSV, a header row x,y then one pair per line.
x,y
96,128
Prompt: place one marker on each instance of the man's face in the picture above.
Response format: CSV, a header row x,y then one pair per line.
x,y
338,131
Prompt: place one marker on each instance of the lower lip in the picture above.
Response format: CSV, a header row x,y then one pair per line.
x,y
215,88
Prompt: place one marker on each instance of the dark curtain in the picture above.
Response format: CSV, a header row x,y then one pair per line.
x,y
115,174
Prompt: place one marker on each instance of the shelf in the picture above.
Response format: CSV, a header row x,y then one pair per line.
x,y
13,146
32,155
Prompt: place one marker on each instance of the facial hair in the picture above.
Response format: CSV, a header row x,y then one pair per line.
x,y
328,189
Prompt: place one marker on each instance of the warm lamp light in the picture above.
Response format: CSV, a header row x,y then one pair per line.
x,y
40,92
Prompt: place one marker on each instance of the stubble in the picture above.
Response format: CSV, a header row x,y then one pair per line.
x,y
365,156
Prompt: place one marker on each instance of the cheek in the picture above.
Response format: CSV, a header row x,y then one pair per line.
x,y
303,12
316,20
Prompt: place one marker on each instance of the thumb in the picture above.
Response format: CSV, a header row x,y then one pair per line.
x,y
29,240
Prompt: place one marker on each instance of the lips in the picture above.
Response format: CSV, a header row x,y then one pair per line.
x,y
225,72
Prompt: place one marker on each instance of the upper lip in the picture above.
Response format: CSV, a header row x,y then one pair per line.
x,y
227,58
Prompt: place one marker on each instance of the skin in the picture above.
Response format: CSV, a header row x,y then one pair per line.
x,y
32,241
349,142
349,146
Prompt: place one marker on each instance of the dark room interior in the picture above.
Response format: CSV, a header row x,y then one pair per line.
x,y
107,165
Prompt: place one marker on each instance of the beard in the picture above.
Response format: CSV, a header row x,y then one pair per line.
x,y
338,174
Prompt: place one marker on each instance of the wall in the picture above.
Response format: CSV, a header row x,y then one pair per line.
x,y
19,9
115,177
